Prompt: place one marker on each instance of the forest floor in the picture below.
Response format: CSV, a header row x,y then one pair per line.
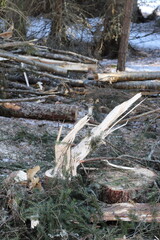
x,y
27,143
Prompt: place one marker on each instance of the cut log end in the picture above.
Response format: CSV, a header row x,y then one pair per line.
x,y
117,185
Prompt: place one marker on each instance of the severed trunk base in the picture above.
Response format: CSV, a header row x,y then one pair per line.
x,y
115,185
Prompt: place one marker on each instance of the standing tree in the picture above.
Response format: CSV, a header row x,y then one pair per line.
x,y
123,48
108,43
109,39
57,35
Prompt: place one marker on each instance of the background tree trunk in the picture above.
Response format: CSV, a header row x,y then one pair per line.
x,y
57,35
122,54
108,44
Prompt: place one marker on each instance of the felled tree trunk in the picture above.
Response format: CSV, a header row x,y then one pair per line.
x,y
52,112
127,76
152,84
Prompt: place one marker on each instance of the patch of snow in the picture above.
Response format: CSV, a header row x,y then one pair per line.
x,y
148,6
7,160
145,36
140,65
38,27
145,41
142,35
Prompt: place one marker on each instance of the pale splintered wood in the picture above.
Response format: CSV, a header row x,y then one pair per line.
x,y
68,158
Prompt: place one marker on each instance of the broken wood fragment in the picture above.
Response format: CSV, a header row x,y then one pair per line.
x,y
16,44
68,158
53,112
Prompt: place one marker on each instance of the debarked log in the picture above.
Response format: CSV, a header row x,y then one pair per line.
x,y
136,212
54,112
69,66
128,76
143,85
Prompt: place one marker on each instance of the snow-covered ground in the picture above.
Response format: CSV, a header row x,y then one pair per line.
x,y
148,6
143,36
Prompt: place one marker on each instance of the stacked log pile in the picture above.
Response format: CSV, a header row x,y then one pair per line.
x,y
30,72
44,74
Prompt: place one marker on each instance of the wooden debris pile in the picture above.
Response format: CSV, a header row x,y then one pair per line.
x,y
30,72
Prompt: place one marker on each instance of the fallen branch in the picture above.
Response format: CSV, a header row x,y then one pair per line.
x,y
44,66
69,66
16,44
75,55
12,100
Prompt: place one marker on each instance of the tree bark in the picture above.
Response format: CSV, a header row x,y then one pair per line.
x,y
143,85
123,48
53,112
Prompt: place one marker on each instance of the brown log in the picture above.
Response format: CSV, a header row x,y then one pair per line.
x,y
44,66
137,212
143,85
122,184
54,112
127,76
